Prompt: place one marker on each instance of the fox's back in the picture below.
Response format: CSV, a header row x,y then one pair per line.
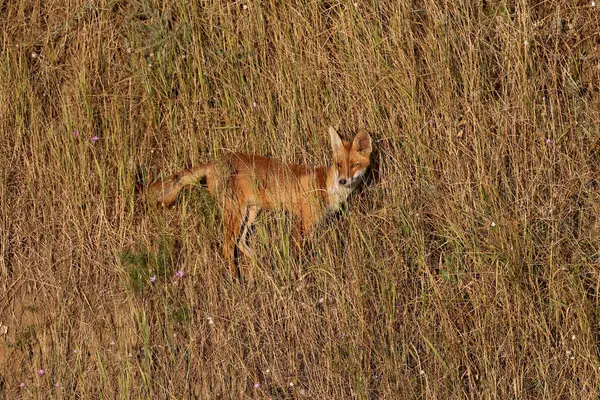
x,y
266,181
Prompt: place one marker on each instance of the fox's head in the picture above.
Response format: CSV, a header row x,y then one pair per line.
x,y
351,160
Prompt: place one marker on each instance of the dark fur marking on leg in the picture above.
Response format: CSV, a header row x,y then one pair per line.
x,y
236,249
236,263
249,234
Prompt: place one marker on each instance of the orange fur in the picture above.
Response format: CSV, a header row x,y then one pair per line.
x,y
248,183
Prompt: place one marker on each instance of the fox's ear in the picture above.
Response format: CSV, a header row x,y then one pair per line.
x,y
336,141
362,142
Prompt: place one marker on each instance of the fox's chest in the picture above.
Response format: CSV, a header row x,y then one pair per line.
x,y
337,196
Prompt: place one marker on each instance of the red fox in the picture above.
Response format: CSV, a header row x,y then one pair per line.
x,y
248,183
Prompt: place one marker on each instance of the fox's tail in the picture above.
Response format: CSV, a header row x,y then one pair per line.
x,y
165,192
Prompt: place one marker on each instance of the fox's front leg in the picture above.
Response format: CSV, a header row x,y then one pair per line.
x,y
304,226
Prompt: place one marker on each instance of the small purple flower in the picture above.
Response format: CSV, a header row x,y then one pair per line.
x,y
75,133
153,278
179,274
256,385
548,141
22,385
41,372
57,385
94,138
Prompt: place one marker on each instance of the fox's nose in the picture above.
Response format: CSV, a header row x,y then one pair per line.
x,y
342,181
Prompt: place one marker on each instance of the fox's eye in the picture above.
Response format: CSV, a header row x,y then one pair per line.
x,y
355,165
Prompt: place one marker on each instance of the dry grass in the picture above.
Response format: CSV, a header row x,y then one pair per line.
x,y
469,268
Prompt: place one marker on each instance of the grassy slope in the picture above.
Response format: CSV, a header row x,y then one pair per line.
x,y
469,268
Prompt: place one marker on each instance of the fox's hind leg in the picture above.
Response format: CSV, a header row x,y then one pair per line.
x,y
243,242
232,217
238,229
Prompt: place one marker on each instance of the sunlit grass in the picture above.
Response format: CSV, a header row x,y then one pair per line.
x,y
468,268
